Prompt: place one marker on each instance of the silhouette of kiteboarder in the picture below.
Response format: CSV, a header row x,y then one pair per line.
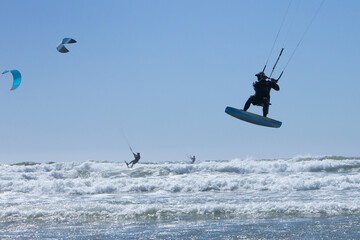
x,y
136,160
192,158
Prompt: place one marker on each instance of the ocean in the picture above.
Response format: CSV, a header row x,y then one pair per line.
x,y
296,198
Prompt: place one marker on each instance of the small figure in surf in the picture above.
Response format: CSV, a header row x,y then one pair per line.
x,y
192,158
133,162
262,92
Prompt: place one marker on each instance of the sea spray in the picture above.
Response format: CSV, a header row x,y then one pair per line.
x,y
81,191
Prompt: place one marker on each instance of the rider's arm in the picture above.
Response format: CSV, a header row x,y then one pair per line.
x,y
274,85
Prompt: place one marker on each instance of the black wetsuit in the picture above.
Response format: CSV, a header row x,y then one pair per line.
x,y
262,95
133,162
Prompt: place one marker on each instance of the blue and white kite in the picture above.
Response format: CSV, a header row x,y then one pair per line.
x,y
61,47
16,76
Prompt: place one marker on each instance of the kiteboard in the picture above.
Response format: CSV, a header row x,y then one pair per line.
x,y
252,118
127,164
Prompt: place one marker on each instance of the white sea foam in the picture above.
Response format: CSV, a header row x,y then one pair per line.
x,y
321,185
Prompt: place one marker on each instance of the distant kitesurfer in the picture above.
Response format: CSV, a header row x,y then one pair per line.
x,y
192,158
262,92
133,162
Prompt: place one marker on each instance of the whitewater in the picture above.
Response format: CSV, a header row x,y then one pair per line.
x,y
301,197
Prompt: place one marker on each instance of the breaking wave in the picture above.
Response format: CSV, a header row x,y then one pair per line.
x,y
109,190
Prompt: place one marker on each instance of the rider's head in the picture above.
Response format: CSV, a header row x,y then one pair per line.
x,y
261,76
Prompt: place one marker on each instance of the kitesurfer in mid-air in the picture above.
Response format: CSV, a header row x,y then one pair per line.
x,y
192,158
133,162
262,92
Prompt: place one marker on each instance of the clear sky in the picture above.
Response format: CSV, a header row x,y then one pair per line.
x,y
159,74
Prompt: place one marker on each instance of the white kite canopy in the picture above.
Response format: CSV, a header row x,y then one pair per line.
x,y
61,46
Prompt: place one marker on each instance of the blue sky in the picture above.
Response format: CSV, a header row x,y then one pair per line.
x,y
159,74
